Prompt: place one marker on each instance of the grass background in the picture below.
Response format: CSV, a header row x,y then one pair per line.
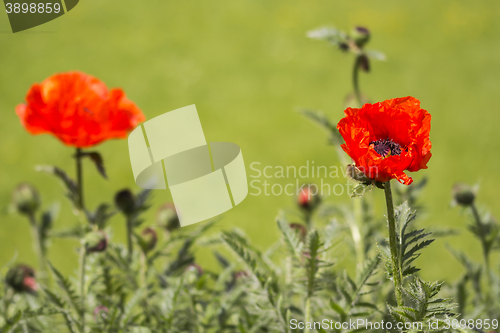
x,y
248,67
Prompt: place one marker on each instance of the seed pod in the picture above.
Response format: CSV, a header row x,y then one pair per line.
x,y
125,202
22,279
25,199
96,241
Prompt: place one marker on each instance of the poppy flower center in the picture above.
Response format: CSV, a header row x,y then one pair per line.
x,y
386,147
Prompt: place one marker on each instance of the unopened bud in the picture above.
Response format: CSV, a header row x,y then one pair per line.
x,y
125,202
167,218
25,199
193,273
100,314
148,239
96,241
360,36
307,198
463,194
22,279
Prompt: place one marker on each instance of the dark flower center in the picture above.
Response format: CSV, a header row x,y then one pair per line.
x,y
386,147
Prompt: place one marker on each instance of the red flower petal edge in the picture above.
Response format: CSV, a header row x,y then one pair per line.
x,y
387,138
79,110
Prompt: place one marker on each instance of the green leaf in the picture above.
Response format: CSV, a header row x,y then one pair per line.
x,y
68,288
98,161
70,184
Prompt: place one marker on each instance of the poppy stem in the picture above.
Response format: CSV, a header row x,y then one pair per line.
x,y
355,80
83,260
79,177
393,239
482,235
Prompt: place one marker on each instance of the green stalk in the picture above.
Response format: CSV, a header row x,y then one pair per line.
x,y
83,260
37,244
308,313
130,245
482,236
396,271
355,79
79,177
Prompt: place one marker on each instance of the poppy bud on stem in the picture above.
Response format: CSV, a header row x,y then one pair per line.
x,y
26,200
125,202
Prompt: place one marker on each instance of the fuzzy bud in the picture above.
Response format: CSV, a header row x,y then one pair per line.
x,y
125,202
360,36
463,194
167,218
22,279
308,197
96,241
100,313
25,199
148,239
193,272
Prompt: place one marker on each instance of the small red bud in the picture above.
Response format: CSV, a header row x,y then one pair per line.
x,y
22,279
307,198
100,313
96,241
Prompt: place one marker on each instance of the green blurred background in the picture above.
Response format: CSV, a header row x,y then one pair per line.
x,y
248,67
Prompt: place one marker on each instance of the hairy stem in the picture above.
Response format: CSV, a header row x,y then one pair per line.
x,y
79,177
482,235
355,80
83,259
308,314
37,244
356,230
130,248
396,271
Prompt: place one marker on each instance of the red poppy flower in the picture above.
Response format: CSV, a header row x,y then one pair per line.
x,y
79,110
385,139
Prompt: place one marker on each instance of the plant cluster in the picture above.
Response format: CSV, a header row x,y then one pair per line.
x,y
154,283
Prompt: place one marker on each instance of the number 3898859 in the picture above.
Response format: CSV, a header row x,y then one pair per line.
x,y
32,8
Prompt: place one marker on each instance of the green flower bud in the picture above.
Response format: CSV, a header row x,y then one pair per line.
x,y
360,36
148,239
167,218
25,199
125,202
22,279
463,194
193,273
96,241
